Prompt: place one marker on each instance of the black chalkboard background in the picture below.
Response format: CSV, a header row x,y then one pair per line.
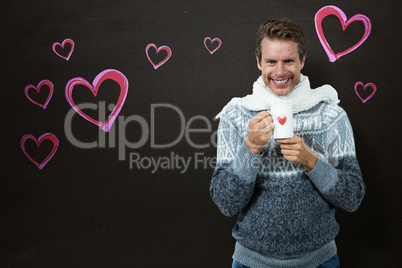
x,y
88,208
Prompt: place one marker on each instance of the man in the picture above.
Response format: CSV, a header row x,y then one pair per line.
x,y
285,191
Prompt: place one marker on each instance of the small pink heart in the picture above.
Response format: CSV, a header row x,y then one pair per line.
x,y
71,42
41,83
45,136
212,41
282,120
374,87
333,10
165,48
107,74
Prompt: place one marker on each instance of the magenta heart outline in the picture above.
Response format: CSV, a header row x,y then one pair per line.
x,y
333,10
37,88
48,136
372,85
166,48
212,41
114,75
62,46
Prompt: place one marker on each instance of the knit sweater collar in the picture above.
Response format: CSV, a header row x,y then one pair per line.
x,y
303,97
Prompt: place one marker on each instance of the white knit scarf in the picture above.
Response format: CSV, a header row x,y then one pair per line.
x,y
302,97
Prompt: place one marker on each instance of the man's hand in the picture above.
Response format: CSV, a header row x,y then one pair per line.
x,y
259,132
295,150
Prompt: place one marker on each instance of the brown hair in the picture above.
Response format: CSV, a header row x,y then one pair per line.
x,y
280,29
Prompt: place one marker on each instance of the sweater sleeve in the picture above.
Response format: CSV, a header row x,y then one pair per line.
x,y
234,177
338,176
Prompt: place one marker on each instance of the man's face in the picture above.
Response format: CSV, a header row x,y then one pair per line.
x,y
280,65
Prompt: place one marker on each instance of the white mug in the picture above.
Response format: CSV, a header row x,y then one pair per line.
x,y
282,116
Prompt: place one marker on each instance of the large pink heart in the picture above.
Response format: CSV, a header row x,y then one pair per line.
x,y
41,83
71,42
45,136
107,74
333,10
364,88
166,48
212,41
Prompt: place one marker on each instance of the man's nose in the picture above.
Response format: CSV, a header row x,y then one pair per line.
x,y
279,69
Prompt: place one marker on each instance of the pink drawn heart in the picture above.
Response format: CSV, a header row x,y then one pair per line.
x,y
333,10
107,74
166,48
48,136
364,88
41,83
71,42
212,41
282,120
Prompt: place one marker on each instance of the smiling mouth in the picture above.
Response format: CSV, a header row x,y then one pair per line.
x,y
280,82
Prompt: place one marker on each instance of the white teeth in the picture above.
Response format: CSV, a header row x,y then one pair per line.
x,y
281,81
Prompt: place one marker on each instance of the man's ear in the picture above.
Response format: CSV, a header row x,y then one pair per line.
x,y
258,63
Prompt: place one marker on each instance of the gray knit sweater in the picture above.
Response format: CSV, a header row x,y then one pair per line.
x,y
286,215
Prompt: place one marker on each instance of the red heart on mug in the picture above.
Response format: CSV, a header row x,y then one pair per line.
x,y
282,120
107,74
